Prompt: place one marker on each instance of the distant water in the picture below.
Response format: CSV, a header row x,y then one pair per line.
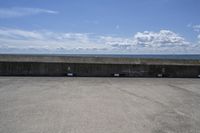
x,y
186,57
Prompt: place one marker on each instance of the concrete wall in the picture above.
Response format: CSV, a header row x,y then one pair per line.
x,y
95,60
93,69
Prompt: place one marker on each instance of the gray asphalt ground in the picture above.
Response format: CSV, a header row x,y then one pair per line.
x,y
99,105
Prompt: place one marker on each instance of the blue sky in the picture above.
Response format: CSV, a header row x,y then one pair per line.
x,y
100,26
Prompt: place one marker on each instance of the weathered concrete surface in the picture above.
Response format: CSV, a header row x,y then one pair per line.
x,y
99,105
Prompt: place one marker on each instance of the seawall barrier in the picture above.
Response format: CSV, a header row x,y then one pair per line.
x,y
54,65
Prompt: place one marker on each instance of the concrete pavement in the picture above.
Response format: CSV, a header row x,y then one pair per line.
x,y
99,105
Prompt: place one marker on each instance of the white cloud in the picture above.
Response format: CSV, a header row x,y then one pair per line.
x,y
21,11
116,40
164,38
196,28
148,39
15,38
164,41
16,33
198,37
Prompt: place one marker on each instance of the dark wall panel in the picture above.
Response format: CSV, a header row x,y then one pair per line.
x,y
98,70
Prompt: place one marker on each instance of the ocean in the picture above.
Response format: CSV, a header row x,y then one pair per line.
x,y
147,56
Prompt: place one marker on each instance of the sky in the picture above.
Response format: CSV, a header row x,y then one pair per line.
x,y
100,26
